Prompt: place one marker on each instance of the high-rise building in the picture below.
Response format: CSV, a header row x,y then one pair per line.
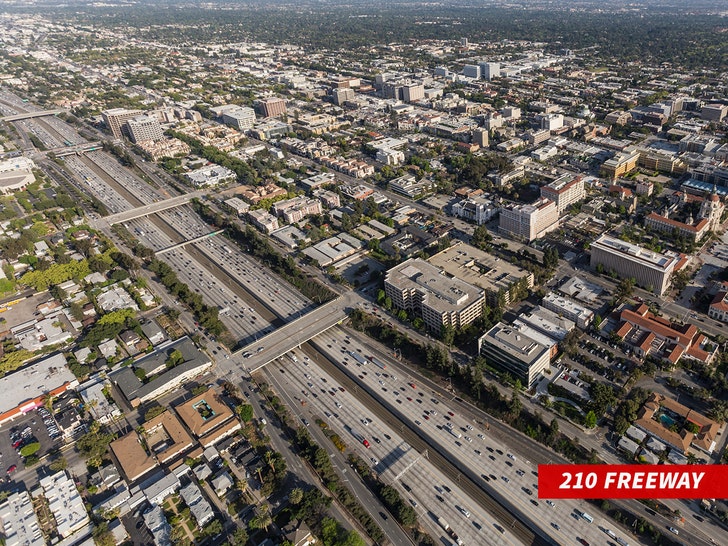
x,y
511,351
472,71
342,94
652,270
142,128
621,163
564,191
490,70
552,122
116,118
412,92
480,137
272,107
529,222
418,286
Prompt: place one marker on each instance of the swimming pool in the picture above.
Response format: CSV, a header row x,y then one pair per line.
x,y
667,420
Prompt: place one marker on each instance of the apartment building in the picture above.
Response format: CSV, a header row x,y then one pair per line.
x,y
296,209
115,119
263,220
342,95
420,287
564,191
650,269
143,128
529,222
508,349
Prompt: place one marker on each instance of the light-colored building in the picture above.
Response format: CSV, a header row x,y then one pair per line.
x,y
569,309
263,220
15,174
237,205
116,118
621,163
413,92
296,209
210,175
96,402
490,70
477,267
564,191
65,503
26,389
239,117
509,350
19,522
342,95
650,269
552,122
420,287
529,222
476,209
142,128
691,231
718,308
158,525
409,185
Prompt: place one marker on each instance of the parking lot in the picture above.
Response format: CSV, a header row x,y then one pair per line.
x,y
34,427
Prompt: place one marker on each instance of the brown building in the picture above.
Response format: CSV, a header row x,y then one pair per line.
x,y
272,107
208,418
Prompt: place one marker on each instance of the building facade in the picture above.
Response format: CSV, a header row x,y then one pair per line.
x,y
529,222
420,287
510,351
142,128
564,191
651,270
116,118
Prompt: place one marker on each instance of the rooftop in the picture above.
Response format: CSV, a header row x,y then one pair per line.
x,y
204,412
134,460
510,340
649,258
33,381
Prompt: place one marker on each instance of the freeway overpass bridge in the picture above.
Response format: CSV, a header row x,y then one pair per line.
x,y
152,208
297,332
27,115
195,240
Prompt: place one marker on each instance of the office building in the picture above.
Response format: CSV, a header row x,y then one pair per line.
x,y
621,163
116,118
480,137
551,122
475,209
476,267
412,92
239,117
471,71
529,222
488,71
564,191
510,351
714,112
263,220
143,128
422,288
652,270
272,107
342,95
569,309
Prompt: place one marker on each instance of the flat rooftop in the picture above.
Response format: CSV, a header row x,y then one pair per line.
x,y
649,258
581,290
440,291
32,381
478,268
515,343
134,461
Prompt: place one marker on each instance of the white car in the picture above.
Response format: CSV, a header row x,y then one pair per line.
x,y
464,511
511,456
673,530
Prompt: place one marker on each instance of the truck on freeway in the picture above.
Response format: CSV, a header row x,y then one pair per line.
x,y
378,363
356,434
360,359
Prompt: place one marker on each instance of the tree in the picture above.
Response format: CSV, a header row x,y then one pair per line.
x,y
625,288
213,528
295,496
590,420
153,412
245,411
447,335
240,537
481,237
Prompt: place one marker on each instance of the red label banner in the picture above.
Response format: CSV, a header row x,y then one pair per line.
x,y
632,481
